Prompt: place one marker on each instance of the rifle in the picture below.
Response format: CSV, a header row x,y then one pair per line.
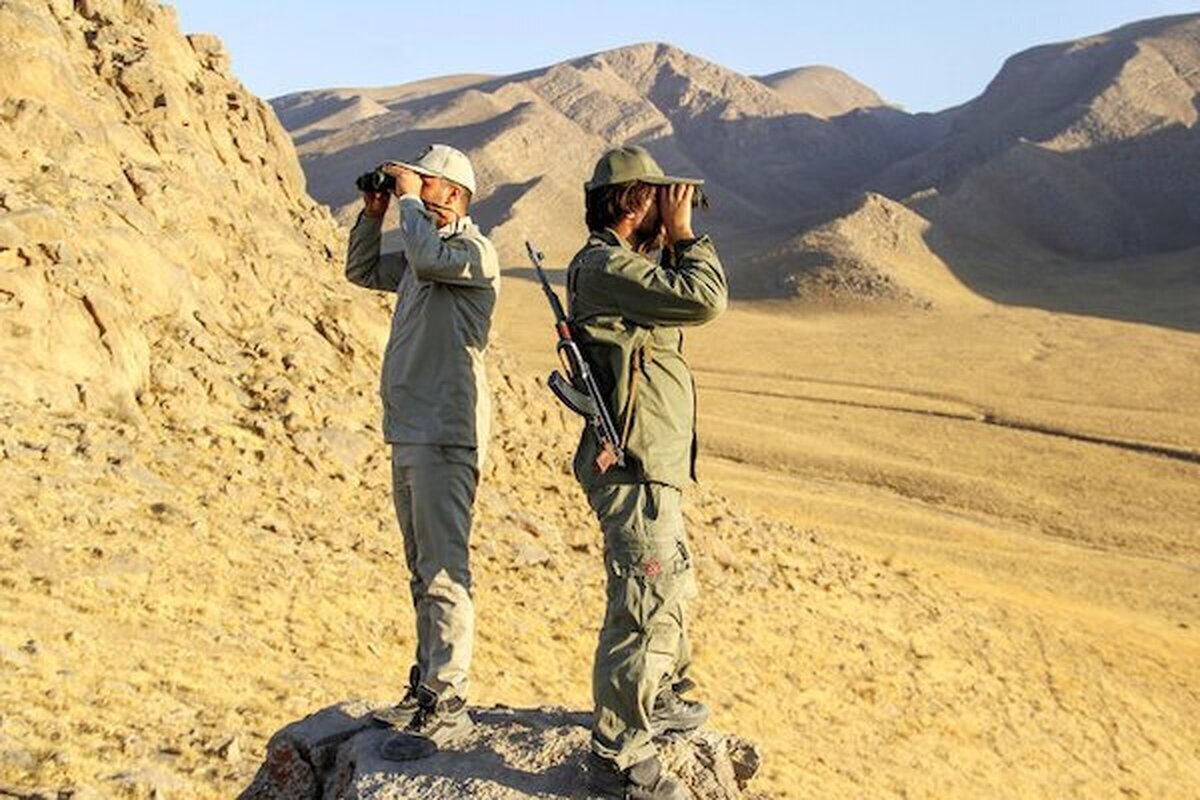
x,y
578,390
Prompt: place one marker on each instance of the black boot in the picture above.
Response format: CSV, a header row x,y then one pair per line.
x,y
399,715
672,713
437,725
644,780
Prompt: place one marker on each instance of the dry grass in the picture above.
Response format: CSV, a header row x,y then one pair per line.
x,y
985,455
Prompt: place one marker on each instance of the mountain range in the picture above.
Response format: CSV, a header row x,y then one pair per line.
x,y
765,147
1072,161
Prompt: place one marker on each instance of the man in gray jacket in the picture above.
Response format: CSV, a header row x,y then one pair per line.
x,y
436,417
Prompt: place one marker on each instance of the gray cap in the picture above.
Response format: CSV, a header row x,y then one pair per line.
x,y
443,161
631,163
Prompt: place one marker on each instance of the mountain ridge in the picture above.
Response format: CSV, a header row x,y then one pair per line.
x,y
823,91
687,110
1040,160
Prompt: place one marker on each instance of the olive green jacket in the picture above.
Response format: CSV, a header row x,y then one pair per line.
x,y
627,313
447,280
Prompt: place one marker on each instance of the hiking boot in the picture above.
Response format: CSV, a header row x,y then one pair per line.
x,y
438,724
673,714
399,715
644,780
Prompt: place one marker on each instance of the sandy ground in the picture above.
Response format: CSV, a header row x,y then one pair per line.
x,y
947,571
1044,467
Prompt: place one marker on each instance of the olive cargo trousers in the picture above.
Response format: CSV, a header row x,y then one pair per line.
x,y
434,491
643,644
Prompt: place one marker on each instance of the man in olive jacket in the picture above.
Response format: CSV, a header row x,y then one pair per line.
x,y
436,417
627,312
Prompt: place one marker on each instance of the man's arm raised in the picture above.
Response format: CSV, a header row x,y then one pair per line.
x,y
692,291
365,264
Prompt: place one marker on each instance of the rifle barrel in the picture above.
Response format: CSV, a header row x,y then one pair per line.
x,y
560,315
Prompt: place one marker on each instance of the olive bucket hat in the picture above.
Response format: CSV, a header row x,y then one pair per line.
x,y
631,163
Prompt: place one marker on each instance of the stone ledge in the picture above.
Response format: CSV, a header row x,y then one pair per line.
x,y
512,754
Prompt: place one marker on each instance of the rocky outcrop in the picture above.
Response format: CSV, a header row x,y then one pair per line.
x,y
154,227
512,754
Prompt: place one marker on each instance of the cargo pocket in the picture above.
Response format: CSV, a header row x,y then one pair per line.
x,y
648,574
652,576
657,581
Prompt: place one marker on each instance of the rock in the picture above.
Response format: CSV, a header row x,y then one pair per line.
x,y
192,211
530,555
512,754
210,49
582,540
153,782
230,750
78,793
300,755
723,554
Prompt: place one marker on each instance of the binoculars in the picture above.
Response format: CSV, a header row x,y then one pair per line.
x,y
379,181
375,181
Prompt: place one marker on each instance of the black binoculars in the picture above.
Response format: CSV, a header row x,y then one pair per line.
x,y
376,181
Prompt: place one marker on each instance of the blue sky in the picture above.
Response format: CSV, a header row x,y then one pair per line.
x,y
923,55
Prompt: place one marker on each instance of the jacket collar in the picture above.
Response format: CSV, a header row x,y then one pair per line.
x,y
611,238
458,226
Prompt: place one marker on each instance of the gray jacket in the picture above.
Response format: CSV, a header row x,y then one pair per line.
x,y
447,281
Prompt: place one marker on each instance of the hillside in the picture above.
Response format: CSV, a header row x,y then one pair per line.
x,y
307,114
878,252
133,284
1059,187
1077,146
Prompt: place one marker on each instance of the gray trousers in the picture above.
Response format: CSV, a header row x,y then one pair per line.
x,y
434,492
643,646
